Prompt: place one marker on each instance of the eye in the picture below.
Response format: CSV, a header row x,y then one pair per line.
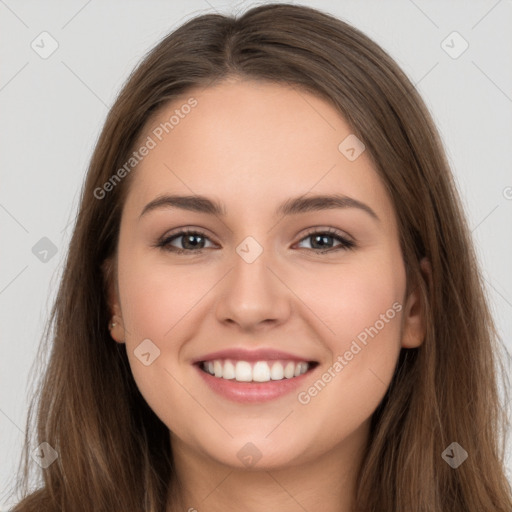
x,y
189,242
193,241
321,240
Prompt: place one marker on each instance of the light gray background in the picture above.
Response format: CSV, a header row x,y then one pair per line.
x,y
52,110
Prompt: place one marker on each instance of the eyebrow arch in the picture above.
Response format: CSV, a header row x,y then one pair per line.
x,y
292,206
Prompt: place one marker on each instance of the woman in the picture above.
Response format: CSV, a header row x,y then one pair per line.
x,y
246,370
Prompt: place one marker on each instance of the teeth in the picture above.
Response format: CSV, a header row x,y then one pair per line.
x,y
261,371
243,371
229,370
289,371
277,371
217,368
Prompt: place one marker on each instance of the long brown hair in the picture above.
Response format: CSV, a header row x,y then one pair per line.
x,y
113,451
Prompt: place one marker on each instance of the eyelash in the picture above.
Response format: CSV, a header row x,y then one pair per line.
x,y
345,243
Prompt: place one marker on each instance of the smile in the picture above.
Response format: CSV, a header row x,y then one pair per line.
x,y
255,381
255,371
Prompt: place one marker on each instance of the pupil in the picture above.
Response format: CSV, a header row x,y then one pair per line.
x,y
318,238
322,237
187,240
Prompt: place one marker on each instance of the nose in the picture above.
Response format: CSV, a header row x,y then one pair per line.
x,y
254,295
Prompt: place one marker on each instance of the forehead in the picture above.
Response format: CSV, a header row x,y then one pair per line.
x,y
251,144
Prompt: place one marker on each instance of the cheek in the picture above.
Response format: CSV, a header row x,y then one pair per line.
x,y
158,303
157,298
354,297
362,306
369,306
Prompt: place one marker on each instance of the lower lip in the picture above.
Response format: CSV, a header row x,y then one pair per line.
x,y
253,392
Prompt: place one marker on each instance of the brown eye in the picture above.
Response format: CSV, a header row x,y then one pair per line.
x,y
191,241
320,241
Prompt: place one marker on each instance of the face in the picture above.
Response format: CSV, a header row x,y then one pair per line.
x,y
259,294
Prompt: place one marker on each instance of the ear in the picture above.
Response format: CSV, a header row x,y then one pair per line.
x,y
117,331
414,322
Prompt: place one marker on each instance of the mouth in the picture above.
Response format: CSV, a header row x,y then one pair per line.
x,y
254,376
264,371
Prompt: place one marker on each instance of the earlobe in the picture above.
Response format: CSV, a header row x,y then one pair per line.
x,y
115,326
414,321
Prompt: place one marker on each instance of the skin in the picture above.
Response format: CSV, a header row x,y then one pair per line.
x,y
252,145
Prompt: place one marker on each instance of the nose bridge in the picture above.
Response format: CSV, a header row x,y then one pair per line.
x,y
252,293
251,272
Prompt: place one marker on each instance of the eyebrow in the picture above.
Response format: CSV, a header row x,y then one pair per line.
x,y
292,206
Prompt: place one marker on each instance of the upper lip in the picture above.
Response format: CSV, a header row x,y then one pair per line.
x,y
242,354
